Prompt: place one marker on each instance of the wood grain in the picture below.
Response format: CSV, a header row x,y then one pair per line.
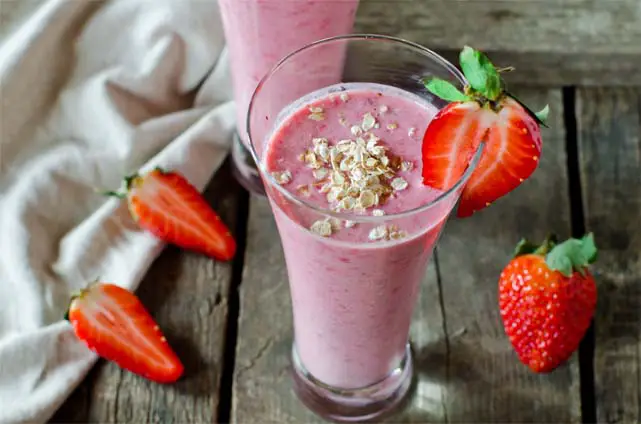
x,y
548,41
610,159
261,389
466,368
188,296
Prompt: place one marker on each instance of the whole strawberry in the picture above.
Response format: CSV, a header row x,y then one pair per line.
x,y
547,298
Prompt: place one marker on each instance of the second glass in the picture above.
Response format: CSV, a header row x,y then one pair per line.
x,y
261,32
341,168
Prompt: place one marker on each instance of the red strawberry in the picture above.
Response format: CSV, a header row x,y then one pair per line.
x,y
484,113
168,206
547,298
112,322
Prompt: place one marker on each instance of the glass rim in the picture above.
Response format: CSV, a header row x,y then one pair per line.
x,y
352,216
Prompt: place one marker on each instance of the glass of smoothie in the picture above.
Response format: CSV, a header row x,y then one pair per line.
x,y
261,32
341,166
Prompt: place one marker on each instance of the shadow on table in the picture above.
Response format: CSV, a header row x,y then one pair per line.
x,y
471,381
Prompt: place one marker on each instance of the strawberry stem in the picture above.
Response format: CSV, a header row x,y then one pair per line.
x,y
480,73
505,69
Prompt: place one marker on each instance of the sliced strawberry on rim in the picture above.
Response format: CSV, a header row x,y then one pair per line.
x,y
112,322
484,113
167,205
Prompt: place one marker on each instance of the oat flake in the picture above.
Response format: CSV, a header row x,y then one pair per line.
x,y
407,166
283,177
322,228
320,173
399,184
378,233
368,122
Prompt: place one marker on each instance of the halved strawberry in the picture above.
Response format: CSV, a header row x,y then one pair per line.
x,y
484,113
112,322
167,205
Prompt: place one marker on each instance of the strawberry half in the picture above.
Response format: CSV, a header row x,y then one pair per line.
x,y
547,298
168,206
483,113
112,322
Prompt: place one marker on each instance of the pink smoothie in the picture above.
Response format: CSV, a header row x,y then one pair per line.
x,y
354,283
261,32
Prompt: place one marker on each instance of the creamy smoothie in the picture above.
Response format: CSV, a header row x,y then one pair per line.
x,y
261,32
354,149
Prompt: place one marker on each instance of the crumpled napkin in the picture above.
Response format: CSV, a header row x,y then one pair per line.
x,y
92,91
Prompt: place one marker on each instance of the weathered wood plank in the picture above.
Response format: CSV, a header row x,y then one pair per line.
x,y
261,389
472,375
187,294
550,42
610,159
484,381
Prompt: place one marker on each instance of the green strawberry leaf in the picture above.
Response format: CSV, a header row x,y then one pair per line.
x,y
572,255
542,115
524,247
480,73
445,90
588,248
535,115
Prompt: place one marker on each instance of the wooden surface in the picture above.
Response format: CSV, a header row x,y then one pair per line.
x,y
466,367
482,378
238,365
231,323
551,42
610,153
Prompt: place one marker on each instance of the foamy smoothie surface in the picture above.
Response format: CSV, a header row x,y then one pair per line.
x,y
356,148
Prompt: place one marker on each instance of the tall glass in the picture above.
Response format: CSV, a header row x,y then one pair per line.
x,y
261,32
353,294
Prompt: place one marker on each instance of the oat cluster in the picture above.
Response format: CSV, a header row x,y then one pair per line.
x,y
356,174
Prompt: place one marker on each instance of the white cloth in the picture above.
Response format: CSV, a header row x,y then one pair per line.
x,y
92,91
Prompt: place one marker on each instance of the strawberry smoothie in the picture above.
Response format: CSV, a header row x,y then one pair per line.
x,y
261,32
355,150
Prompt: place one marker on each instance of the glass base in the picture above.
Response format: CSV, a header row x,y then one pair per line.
x,y
353,405
244,168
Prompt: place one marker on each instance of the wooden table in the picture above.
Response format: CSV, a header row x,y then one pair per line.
x,y
231,323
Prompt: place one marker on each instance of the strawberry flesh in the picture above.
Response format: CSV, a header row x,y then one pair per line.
x,y
450,141
168,206
511,152
112,322
510,156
